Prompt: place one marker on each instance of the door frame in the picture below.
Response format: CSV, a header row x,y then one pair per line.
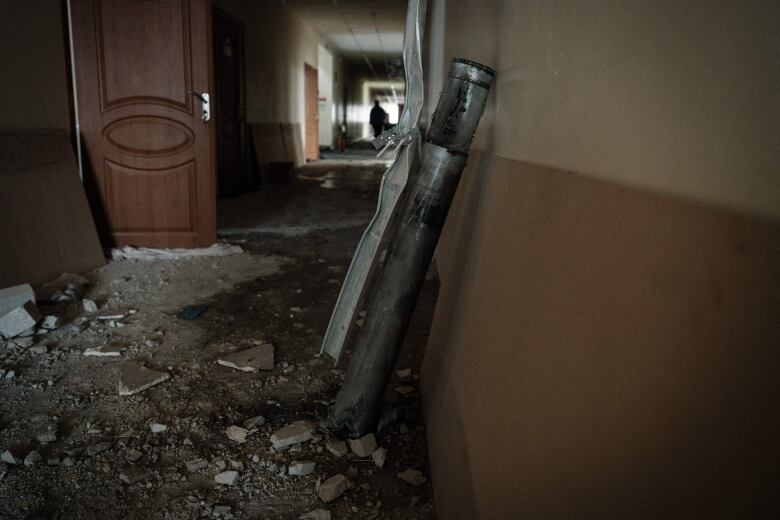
x,y
311,71
216,11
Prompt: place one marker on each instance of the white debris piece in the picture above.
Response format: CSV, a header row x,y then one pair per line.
x,y
16,296
18,320
295,433
228,478
333,488
364,446
251,359
148,253
301,468
379,456
158,428
9,458
254,422
413,476
51,322
89,305
113,314
316,514
236,433
104,351
136,378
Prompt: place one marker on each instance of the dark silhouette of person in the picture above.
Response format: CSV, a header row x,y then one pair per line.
x,y
377,118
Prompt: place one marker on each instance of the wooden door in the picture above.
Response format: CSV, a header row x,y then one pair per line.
x,y
139,66
232,172
312,113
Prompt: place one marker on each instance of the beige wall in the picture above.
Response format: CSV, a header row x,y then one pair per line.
x,y
33,80
678,97
604,343
278,43
601,352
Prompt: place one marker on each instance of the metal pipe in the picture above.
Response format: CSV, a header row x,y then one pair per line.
x,y
412,244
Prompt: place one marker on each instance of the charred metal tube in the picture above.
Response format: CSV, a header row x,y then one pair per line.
x,y
410,249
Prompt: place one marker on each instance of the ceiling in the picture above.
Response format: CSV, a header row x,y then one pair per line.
x,y
371,31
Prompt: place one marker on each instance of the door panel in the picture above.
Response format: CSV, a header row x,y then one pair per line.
x,y
312,113
150,155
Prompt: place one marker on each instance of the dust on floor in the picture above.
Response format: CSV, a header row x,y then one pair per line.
x,y
104,460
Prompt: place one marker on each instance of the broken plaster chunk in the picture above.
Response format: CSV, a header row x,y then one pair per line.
x,y
112,314
104,351
19,320
9,458
379,456
135,378
301,468
364,446
228,478
32,458
251,359
89,305
236,433
25,342
316,514
333,488
51,322
13,297
254,422
158,428
336,448
295,433
413,476
39,350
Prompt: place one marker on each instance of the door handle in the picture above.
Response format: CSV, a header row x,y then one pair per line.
x,y
205,104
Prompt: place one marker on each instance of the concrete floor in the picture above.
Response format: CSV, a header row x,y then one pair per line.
x,y
298,240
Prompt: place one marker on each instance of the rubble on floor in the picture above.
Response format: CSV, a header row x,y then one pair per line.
x,y
149,253
169,444
364,446
295,433
333,488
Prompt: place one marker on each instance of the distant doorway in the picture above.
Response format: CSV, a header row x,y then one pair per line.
x,y
312,113
233,176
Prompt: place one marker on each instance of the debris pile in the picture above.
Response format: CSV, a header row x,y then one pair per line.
x,y
139,401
